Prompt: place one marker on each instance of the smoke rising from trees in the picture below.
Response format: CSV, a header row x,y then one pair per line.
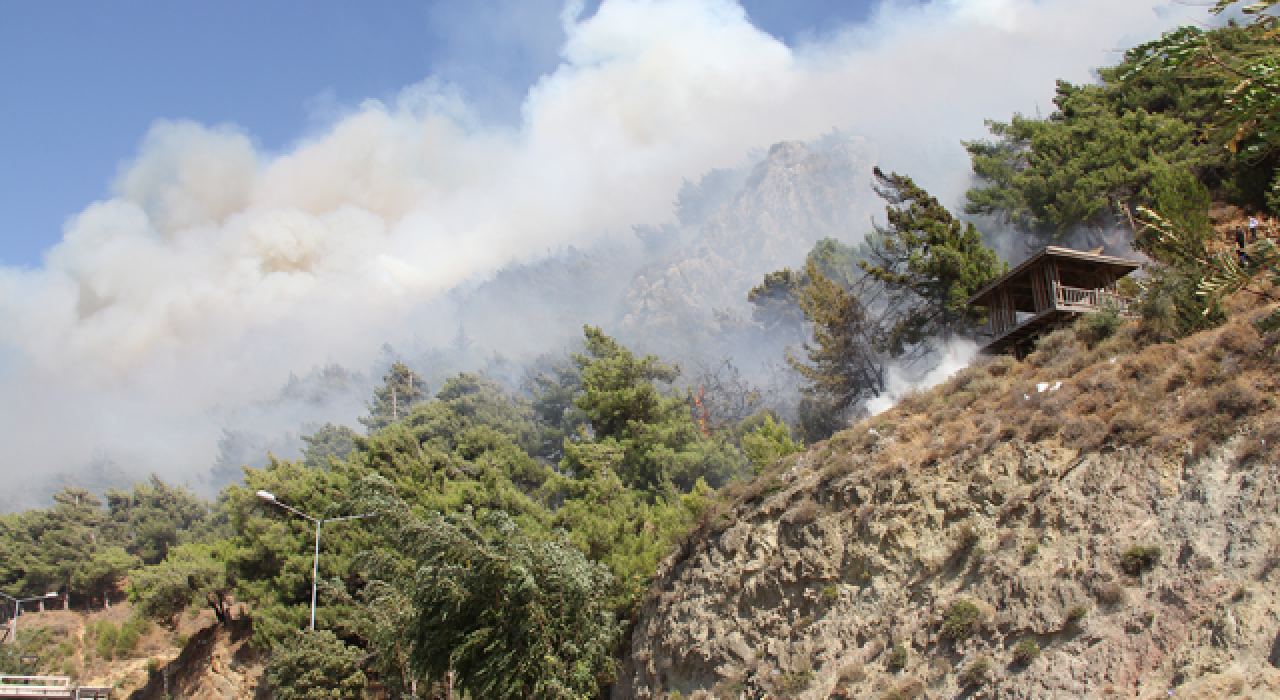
x,y
171,310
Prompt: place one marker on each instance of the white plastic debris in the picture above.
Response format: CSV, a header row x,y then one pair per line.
x,y
1113,360
1042,386
1056,386
1026,397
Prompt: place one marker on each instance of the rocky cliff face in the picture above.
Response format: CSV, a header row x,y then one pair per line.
x,y
965,546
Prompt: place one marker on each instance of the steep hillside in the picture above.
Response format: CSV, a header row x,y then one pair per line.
x,y
217,663
105,647
1098,521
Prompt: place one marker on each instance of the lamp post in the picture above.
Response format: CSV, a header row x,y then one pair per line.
x,y
315,566
17,605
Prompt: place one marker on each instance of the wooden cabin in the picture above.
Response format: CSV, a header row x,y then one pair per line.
x,y
1048,291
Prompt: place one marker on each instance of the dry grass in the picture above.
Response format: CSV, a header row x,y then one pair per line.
x,y
1121,392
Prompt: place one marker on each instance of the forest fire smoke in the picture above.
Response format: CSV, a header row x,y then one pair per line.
x,y
215,269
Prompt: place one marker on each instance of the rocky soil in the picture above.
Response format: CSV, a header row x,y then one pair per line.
x,y
1013,561
216,664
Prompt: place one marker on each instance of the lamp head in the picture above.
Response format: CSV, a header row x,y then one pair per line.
x,y
51,594
267,496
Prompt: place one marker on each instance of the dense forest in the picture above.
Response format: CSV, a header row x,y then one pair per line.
x,y
513,528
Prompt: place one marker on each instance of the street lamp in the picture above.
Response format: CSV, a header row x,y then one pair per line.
x,y
315,566
17,604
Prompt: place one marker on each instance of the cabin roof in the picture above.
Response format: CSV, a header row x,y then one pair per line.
x,y
1122,266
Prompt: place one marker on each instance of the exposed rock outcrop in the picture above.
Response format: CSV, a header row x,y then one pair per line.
x,y
886,563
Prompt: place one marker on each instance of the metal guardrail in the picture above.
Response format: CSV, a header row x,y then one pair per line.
x,y
49,688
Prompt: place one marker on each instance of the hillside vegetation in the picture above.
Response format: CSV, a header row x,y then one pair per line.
x,y
1098,519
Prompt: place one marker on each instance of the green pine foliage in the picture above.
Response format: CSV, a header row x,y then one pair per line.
x,y
1080,166
768,443
328,442
402,389
315,666
926,251
662,446
514,616
155,516
189,574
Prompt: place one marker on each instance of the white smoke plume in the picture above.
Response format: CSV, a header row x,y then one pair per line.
x,y
216,269
952,357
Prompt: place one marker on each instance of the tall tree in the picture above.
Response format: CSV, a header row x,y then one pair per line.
x,y
658,435
402,389
153,517
844,361
511,616
926,251
1245,62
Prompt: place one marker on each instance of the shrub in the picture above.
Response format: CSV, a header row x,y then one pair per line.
x,y
977,672
127,638
1139,558
897,658
1030,551
1097,327
1111,593
792,681
1025,652
831,593
967,535
803,513
1084,433
962,617
852,673
314,665
1041,427
1076,614
908,689
107,634
730,689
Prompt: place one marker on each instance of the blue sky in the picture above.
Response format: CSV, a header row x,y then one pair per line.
x,y
83,81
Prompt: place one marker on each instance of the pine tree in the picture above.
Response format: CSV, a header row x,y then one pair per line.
x,y
926,251
402,389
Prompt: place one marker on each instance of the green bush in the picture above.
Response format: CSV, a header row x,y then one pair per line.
x,y
1030,551
962,617
106,634
831,593
977,672
1025,652
313,665
127,637
1076,614
1140,558
1097,327
789,682
897,658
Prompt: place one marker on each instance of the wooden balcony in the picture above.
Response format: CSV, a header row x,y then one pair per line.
x,y
1048,291
1090,300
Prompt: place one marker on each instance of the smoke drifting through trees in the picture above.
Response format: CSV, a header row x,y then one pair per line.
x,y
215,270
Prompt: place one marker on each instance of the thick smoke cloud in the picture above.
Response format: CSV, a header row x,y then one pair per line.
x,y
216,269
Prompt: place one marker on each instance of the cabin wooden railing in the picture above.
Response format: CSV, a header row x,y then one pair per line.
x,y
1094,298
